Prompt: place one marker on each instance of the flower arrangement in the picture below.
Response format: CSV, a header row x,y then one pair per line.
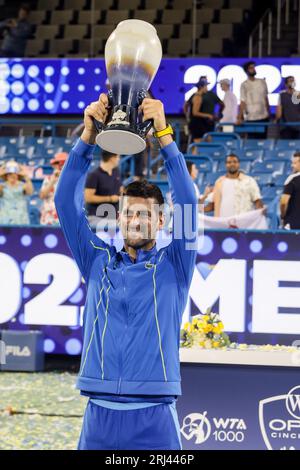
x,y
204,331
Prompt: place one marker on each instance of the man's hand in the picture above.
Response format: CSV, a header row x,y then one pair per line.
x,y
154,109
12,23
115,198
97,110
209,189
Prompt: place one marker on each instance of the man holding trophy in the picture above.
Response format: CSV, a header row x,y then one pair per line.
x,y
135,297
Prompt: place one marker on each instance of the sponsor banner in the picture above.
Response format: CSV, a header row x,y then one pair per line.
x,y
237,407
251,278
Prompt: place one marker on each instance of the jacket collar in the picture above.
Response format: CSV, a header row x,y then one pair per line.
x,y
142,255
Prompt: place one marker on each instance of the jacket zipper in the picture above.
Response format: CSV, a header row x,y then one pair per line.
x,y
126,325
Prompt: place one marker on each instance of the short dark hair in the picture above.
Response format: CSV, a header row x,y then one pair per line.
x,y
145,190
25,6
106,156
247,65
189,165
297,154
287,79
232,155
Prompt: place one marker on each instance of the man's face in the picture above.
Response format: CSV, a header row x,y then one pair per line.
x,y
115,161
290,82
139,220
251,70
22,14
296,164
232,165
194,172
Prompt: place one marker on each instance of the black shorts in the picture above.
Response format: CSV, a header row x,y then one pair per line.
x,y
199,127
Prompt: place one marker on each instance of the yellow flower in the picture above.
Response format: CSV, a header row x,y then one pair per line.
x,y
208,328
218,328
188,327
207,344
216,344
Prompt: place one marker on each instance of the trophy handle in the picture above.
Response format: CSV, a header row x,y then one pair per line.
x,y
98,124
144,127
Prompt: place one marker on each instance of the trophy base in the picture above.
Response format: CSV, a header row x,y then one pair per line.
x,y
120,142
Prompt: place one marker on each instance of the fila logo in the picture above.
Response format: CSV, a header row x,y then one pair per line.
x,y
18,351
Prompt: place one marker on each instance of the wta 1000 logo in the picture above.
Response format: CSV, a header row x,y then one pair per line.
x,y
197,428
279,420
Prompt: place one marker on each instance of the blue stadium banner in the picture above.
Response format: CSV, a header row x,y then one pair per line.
x,y
251,278
66,86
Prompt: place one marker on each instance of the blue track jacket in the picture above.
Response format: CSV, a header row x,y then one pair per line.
x,y
133,311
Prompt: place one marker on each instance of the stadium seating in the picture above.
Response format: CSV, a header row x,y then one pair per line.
x,y
215,23
267,161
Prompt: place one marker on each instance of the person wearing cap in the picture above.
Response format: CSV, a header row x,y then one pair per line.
x,y
48,211
230,101
13,194
202,111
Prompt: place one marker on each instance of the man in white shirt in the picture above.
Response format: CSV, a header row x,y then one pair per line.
x,y
235,193
230,111
254,105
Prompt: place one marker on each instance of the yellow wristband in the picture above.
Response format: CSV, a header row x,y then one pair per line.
x,y
168,130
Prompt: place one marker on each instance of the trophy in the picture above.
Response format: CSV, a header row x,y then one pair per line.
x,y
132,56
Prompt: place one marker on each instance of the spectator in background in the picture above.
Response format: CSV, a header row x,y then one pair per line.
x,y
208,192
230,111
235,193
254,105
48,210
290,199
288,109
103,186
200,111
16,32
13,195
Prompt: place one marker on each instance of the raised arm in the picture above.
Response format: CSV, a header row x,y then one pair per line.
x,y
182,250
69,201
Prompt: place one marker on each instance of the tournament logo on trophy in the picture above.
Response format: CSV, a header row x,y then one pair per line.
x,y
132,56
